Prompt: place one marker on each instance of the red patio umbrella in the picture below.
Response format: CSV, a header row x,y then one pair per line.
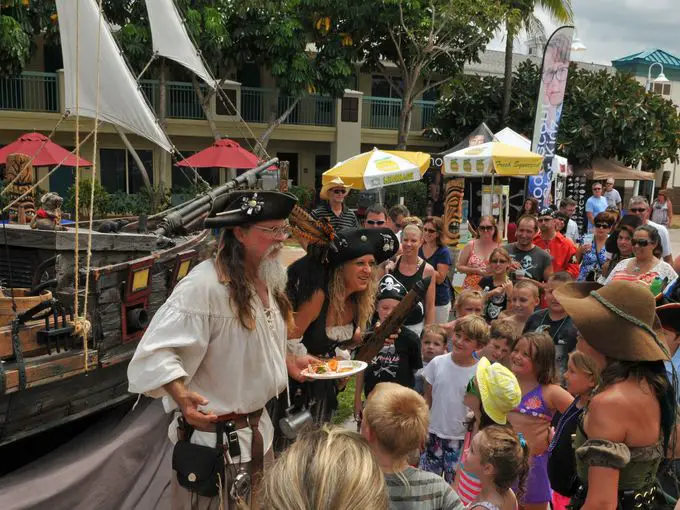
x,y
223,153
50,154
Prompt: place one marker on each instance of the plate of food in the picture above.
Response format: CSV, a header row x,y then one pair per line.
x,y
334,369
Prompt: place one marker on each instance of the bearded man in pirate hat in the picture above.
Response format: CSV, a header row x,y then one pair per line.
x,y
216,352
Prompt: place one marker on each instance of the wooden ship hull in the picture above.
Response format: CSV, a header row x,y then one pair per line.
x,y
46,378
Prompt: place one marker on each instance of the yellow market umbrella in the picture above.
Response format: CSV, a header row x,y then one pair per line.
x,y
379,168
492,158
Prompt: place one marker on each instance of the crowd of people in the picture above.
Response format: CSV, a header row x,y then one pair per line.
x,y
543,384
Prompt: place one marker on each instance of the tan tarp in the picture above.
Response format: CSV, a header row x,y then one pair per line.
x,y
116,464
600,169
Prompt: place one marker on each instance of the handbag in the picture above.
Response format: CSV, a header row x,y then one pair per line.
x,y
200,469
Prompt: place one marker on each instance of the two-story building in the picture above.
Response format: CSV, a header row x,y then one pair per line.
x,y
319,132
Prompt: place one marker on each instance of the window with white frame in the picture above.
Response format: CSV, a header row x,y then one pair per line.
x,y
663,89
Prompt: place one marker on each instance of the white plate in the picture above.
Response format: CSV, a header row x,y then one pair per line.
x,y
356,366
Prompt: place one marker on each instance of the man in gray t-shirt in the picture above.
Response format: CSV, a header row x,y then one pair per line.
x,y
533,262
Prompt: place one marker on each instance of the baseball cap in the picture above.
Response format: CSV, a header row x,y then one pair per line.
x,y
546,211
498,389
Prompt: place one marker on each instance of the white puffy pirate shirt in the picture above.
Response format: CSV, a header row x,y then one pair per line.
x,y
197,336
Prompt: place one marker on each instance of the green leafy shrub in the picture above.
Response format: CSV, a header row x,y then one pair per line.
x,y
101,198
303,194
415,197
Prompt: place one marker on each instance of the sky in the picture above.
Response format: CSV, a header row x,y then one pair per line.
x,y
612,29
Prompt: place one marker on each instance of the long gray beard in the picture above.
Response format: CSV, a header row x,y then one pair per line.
x,y
273,272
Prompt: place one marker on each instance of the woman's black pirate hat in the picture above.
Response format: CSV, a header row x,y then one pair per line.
x,y
244,207
351,244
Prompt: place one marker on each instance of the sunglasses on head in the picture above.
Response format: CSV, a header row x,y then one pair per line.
x,y
375,222
486,228
602,225
430,230
640,242
638,210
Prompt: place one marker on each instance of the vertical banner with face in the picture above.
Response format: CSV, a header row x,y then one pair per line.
x,y
554,73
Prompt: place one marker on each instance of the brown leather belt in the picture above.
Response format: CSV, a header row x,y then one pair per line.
x,y
252,421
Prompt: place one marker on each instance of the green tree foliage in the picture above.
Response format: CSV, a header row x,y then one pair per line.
x,y
604,115
416,45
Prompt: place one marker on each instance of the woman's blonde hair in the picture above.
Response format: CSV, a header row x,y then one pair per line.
x,y
587,365
398,417
412,220
412,227
330,468
364,301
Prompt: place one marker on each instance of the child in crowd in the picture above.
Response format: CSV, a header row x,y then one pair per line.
x,y
523,302
503,336
497,288
491,394
433,344
469,302
533,363
555,321
582,376
446,378
498,456
395,423
399,359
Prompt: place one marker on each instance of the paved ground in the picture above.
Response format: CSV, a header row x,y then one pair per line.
x,y
675,241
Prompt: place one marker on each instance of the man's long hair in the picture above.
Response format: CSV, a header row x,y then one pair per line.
x,y
231,270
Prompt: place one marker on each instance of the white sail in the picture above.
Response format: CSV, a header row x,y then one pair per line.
x,y
121,102
171,39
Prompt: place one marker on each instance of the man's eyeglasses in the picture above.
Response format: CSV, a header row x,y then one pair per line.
x,y
640,242
375,222
486,228
284,230
430,230
602,225
638,210
560,73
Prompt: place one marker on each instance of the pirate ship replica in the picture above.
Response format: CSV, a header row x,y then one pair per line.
x,y
74,302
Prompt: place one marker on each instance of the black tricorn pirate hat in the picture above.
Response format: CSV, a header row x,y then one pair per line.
x,y
241,208
351,244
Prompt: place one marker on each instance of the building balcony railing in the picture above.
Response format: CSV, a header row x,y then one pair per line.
x,y
260,105
30,92
39,92
384,112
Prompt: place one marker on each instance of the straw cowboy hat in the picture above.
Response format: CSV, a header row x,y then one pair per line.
x,y
335,183
618,320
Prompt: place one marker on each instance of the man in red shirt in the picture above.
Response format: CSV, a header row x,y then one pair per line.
x,y
561,249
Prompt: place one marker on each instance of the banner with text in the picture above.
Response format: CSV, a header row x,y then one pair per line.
x,y
554,72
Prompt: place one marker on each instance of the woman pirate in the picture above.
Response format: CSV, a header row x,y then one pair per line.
x,y
627,426
332,290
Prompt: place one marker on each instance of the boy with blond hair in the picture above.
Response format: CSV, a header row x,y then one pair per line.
x,y
502,338
524,300
395,423
446,378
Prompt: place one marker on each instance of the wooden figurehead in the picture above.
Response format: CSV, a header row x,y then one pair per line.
x,y
19,172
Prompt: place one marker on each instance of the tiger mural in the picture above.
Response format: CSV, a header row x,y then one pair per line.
x,y
23,211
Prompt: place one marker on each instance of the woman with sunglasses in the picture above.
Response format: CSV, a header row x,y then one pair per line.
x,y
593,256
474,259
438,256
645,265
618,245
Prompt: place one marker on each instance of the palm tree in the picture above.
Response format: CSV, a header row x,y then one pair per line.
x,y
521,17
